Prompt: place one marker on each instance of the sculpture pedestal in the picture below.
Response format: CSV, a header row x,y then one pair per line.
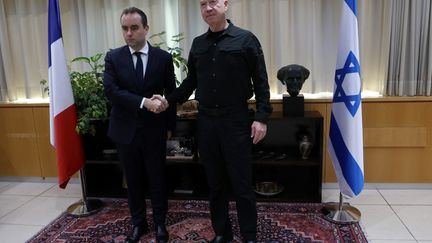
x,y
293,106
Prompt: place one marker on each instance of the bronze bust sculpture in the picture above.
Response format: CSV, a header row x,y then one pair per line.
x,y
293,76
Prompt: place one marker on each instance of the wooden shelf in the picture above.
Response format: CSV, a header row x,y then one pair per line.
x,y
287,162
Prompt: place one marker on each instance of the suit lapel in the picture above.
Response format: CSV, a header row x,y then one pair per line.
x,y
126,57
150,64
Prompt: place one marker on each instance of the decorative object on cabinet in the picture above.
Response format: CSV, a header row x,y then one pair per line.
x,y
305,147
268,188
293,76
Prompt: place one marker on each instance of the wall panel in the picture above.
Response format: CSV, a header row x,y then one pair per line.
x,y
18,147
46,151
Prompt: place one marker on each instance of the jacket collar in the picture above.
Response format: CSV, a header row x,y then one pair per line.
x,y
230,30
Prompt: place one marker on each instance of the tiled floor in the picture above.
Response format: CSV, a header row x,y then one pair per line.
x,y
397,213
392,212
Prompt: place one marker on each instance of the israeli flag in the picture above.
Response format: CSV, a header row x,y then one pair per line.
x,y
346,129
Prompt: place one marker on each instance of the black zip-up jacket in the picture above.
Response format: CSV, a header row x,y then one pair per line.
x,y
226,68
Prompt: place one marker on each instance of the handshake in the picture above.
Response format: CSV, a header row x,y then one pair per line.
x,y
156,104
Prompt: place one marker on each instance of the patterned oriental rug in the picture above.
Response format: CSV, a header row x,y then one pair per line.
x,y
189,221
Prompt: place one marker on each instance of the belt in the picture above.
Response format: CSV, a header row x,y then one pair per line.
x,y
221,111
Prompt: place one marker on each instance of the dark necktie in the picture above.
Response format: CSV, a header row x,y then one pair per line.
x,y
139,66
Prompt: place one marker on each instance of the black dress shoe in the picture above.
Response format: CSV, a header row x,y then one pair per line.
x,y
221,239
136,233
161,234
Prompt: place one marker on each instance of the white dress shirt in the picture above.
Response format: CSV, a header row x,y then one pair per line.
x,y
144,58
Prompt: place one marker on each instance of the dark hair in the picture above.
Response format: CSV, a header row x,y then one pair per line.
x,y
131,10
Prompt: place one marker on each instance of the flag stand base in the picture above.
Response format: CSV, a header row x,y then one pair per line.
x,y
83,209
341,213
348,214
86,206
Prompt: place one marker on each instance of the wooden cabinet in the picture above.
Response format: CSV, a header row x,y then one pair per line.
x,y
276,159
104,178
185,174
103,172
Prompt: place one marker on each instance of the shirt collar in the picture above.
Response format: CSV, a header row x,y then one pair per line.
x,y
227,31
144,50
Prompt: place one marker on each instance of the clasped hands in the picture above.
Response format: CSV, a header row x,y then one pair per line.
x,y
156,104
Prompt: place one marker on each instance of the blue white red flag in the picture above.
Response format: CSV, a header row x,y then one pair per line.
x,y
346,129
63,118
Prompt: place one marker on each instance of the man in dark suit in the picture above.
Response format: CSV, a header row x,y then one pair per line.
x,y
133,73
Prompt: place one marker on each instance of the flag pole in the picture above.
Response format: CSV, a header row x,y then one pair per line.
x,y
86,206
341,213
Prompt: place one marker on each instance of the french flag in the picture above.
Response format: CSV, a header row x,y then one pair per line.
x,y
63,118
346,129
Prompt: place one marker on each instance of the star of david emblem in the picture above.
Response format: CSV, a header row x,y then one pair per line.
x,y
346,90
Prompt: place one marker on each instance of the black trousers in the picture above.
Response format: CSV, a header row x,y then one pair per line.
x,y
144,167
225,145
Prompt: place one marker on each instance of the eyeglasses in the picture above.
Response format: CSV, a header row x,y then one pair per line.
x,y
211,3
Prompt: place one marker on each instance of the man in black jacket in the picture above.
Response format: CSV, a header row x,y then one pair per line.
x,y
226,67
133,73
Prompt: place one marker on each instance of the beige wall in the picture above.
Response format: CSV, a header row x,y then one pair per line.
x,y
397,139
